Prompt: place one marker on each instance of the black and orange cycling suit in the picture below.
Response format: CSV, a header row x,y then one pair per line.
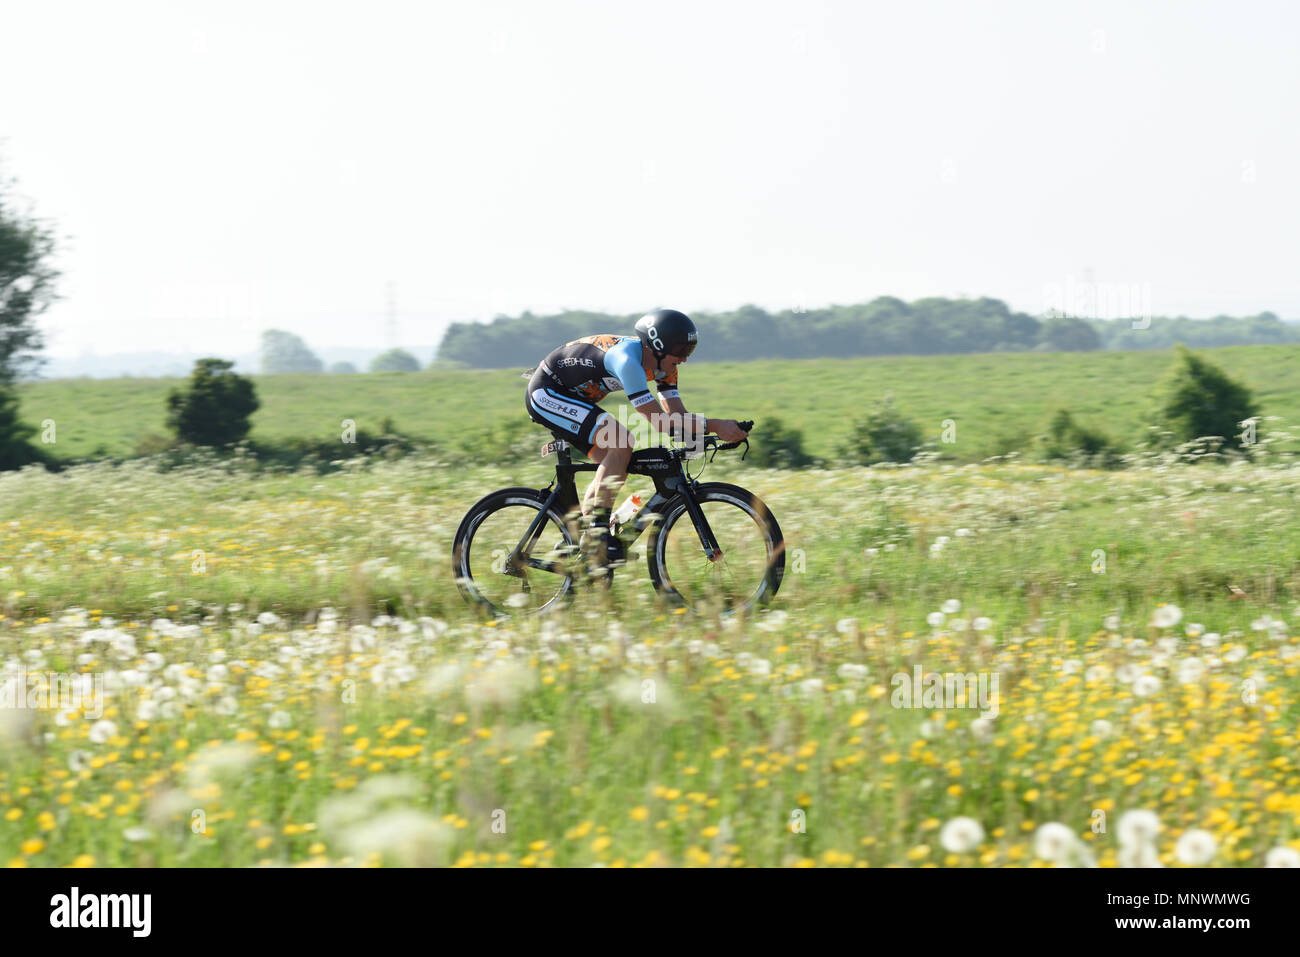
x,y
564,389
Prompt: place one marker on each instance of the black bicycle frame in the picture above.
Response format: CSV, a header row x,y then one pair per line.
x,y
564,499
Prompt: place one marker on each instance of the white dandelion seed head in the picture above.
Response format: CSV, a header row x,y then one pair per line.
x,y
1145,685
936,619
951,606
1190,671
1138,827
1282,857
961,834
1101,728
1166,616
1054,842
1196,847
1138,855
811,687
102,730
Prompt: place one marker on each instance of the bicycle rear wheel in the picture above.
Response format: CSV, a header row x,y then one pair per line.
x,y
498,568
752,563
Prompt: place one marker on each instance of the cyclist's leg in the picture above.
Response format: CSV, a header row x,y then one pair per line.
x,y
577,421
611,449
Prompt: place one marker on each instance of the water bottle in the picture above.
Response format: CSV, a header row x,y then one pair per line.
x,y
625,511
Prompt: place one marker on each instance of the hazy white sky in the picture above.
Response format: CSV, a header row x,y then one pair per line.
x,y
221,168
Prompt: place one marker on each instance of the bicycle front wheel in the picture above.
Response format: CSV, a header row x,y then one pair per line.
x,y
502,568
752,563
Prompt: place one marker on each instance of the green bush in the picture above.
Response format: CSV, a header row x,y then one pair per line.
x,y
1068,440
884,435
1199,400
16,447
774,446
1005,442
505,441
395,360
214,410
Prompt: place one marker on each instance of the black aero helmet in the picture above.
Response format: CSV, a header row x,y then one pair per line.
x,y
667,332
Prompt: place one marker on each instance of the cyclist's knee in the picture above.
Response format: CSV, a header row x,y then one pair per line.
x,y
617,459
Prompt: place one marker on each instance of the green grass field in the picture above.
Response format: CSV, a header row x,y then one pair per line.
x,y
990,397
292,677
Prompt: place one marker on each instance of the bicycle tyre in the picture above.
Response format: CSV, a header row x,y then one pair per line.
x,y
766,585
463,555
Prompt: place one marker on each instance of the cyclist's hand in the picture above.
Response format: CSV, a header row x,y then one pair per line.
x,y
729,430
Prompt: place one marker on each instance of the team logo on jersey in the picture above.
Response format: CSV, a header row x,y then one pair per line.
x,y
549,403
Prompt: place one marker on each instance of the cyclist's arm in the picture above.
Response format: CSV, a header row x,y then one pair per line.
x,y
623,362
675,410
728,430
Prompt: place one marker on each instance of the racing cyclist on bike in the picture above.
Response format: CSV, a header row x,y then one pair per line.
x,y
564,389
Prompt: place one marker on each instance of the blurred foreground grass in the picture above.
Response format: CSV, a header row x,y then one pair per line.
x,y
291,677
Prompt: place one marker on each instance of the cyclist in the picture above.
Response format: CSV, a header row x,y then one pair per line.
x,y
564,389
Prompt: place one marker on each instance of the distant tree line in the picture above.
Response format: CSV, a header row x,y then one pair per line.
x,y
884,326
284,352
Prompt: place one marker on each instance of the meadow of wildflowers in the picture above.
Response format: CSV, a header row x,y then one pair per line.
x,y
286,674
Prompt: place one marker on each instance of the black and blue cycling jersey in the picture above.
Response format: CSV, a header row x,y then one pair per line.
x,y
565,387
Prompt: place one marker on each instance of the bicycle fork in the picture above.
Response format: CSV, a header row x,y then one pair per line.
x,y
665,493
